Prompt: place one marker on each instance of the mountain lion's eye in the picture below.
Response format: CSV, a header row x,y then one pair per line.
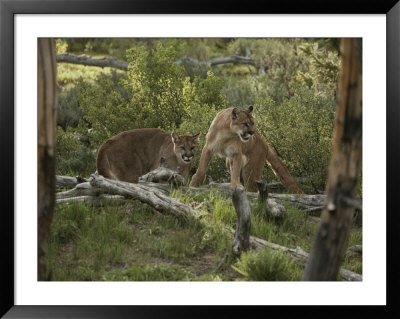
x,y
246,124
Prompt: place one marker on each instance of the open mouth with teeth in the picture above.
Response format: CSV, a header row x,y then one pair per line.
x,y
186,159
244,138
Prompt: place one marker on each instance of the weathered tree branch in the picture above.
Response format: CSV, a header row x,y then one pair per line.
x,y
145,194
68,181
122,65
243,224
307,202
89,61
277,210
100,200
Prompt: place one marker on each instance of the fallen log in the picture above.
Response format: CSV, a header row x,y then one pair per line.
x,y
163,174
101,200
302,200
68,181
275,209
309,203
145,194
82,189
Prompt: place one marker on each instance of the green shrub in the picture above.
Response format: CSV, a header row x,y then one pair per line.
x,y
203,100
267,265
155,93
68,111
72,157
300,130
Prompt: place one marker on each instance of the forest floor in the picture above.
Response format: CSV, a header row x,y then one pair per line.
x,y
132,242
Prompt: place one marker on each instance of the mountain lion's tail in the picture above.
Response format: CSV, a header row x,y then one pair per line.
x,y
282,172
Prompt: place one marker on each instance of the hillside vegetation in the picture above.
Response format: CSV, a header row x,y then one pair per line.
x,y
292,84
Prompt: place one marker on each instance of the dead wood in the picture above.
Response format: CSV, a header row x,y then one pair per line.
x,y
154,198
47,71
243,224
69,181
337,216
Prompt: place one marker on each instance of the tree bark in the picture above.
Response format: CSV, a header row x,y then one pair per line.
x,y
89,61
275,209
101,200
147,195
242,234
68,181
46,145
337,217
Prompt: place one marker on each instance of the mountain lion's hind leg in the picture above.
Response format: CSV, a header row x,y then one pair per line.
x,y
200,175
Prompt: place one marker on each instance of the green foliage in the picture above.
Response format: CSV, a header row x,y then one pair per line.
x,y
157,86
146,272
68,111
72,157
203,99
106,109
300,130
279,59
268,265
154,94
324,66
115,243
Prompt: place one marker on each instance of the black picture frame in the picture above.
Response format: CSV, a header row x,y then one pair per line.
x,y
8,9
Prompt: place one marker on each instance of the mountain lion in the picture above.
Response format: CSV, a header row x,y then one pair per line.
x,y
232,135
133,153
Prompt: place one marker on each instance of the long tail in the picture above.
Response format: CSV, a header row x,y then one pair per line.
x,y
282,172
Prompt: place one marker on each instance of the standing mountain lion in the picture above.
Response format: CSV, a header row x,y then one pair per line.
x,y
133,153
232,135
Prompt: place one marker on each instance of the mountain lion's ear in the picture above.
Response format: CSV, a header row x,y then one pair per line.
x,y
235,113
175,137
250,110
196,137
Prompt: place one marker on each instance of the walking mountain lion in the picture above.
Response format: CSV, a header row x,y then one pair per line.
x,y
133,153
232,135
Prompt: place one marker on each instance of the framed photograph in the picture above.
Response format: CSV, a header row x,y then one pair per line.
x,y
115,294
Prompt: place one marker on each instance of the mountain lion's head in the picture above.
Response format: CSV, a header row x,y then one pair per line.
x,y
185,146
242,123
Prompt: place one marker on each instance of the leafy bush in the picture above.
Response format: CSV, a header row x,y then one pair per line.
x,y
72,157
300,130
68,111
203,100
150,96
155,93
267,265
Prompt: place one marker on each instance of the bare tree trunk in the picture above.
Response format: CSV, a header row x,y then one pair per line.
x,y
46,144
241,240
337,217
